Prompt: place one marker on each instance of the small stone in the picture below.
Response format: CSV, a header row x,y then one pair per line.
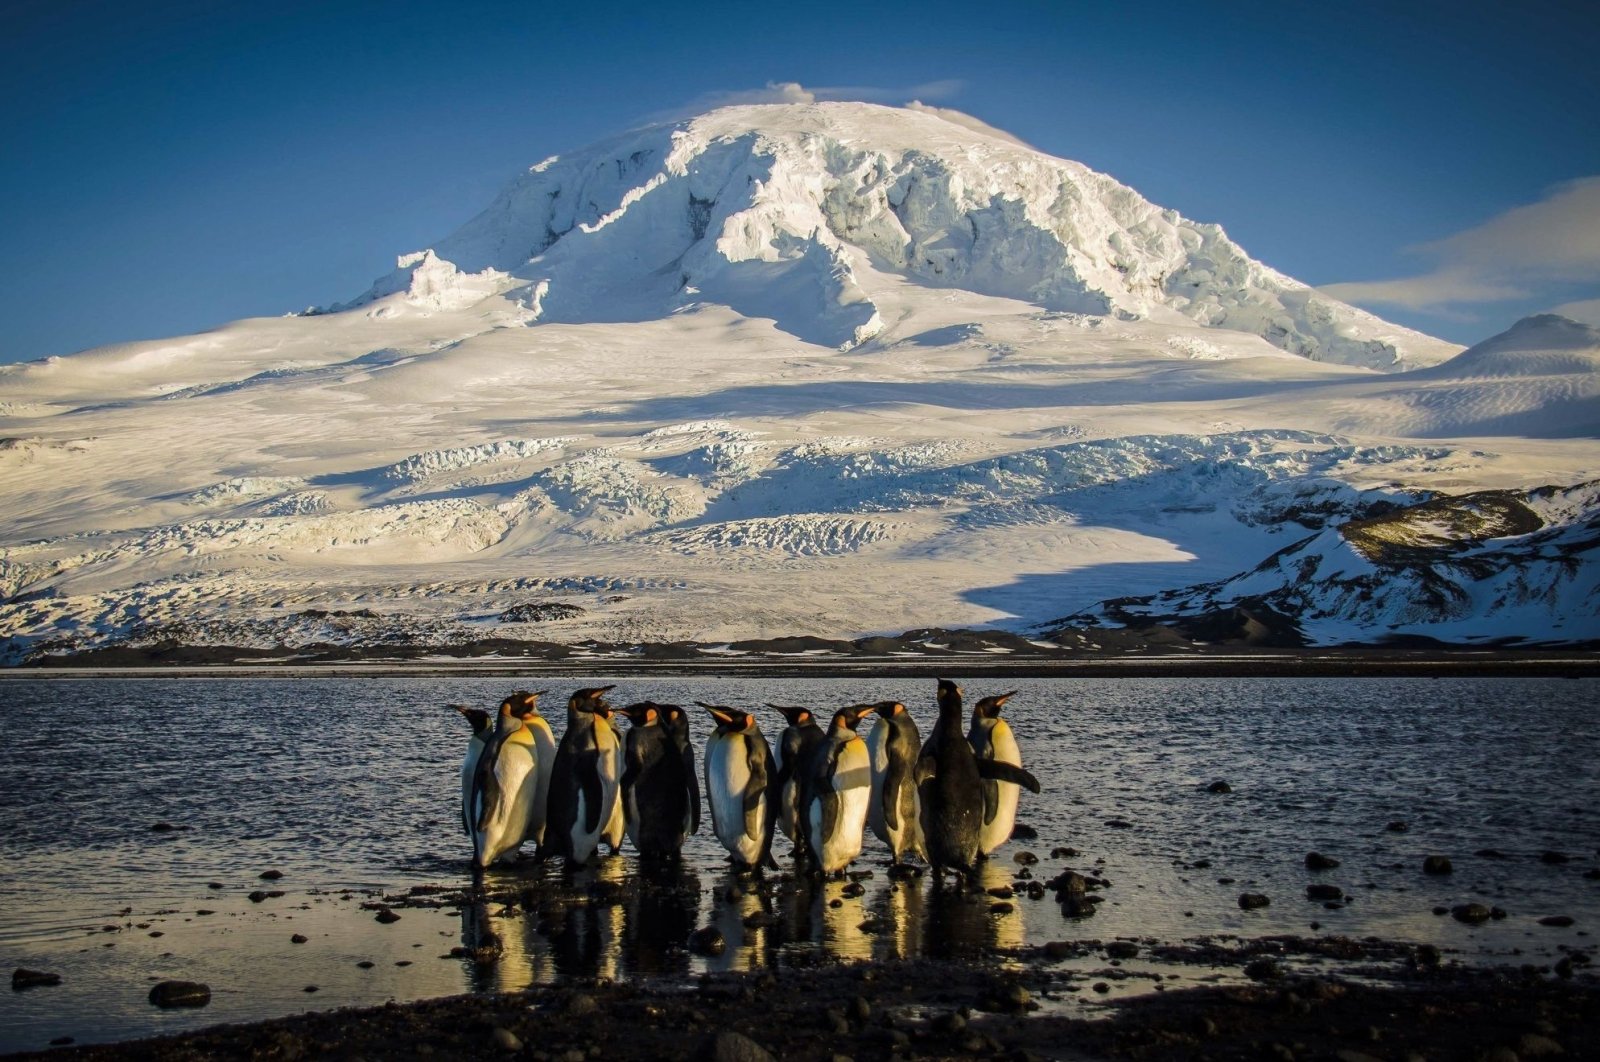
x,y
1219,786
1001,907
1556,921
298,938
162,827
730,1046
1023,832
580,1005
1324,892
1397,826
1063,853
1470,913
950,1023
1263,970
385,916
1536,1045
1318,861
310,988
24,978
180,994
1437,864
1122,949
1554,858
271,875
1249,901
1101,987
215,885
707,941
257,896
1074,905
854,888
1025,858
1490,853
860,1009
1119,824
366,964
505,1039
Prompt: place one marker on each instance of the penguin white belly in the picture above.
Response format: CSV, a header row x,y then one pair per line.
x,y
512,801
997,831
544,744
469,767
878,759
852,785
585,842
727,778
616,819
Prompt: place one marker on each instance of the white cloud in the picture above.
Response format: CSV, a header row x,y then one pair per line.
x,y
1585,310
1512,255
963,119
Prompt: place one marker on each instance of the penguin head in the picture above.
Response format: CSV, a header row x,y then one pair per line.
x,y
591,701
644,713
525,705
475,716
949,693
796,715
989,707
850,718
889,709
729,720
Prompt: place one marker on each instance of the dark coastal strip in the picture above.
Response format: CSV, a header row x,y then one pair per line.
x,y
213,661
928,1009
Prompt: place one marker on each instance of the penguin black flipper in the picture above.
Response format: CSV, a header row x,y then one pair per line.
x,y
758,758
694,788
485,786
769,827
894,778
593,791
1007,772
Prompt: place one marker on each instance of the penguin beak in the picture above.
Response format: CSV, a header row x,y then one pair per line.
x,y
721,715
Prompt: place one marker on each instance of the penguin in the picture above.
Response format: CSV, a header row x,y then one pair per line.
x,y
838,790
583,783
893,748
991,738
799,738
950,786
676,721
654,791
503,786
544,742
482,730
739,774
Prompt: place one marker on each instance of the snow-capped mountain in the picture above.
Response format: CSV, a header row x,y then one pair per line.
x,y
826,369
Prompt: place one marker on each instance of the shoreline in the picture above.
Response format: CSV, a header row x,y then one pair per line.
x,y
1327,663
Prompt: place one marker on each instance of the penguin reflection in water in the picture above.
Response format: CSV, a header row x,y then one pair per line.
x,y
584,787
655,788
837,791
792,755
950,784
500,799
739,773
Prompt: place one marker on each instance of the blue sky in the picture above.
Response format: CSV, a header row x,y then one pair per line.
x,y
170,166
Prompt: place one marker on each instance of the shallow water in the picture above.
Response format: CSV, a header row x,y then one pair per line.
x,y
346,785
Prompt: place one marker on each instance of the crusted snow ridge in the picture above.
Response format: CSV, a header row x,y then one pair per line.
x,y
796,535
431,463
786,211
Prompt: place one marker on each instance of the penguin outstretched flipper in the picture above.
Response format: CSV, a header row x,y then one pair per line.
x,y
1007,772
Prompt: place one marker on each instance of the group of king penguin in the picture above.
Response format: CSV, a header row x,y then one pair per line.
x,y
950,800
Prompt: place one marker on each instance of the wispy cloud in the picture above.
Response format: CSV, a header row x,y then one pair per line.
x,y
1585,310
1555,241
793,92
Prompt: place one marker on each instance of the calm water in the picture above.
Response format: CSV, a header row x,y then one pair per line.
x,y
351,784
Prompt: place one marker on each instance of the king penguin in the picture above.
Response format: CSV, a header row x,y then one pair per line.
x,y
654,791
739,773
992,739
482,730
676,721
893,749
838,790
544,743
503,787
950,786
583,784
795,744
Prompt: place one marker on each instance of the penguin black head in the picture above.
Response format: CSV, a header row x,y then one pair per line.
x,y
850,718
475,716
949,691
796,715
644,713
591,701
989,707
729,720
524,704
